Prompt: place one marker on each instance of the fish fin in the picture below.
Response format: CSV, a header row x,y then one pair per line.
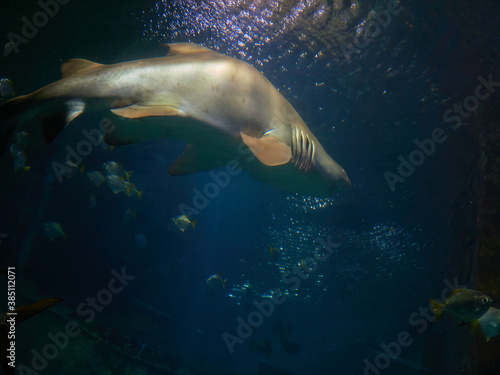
x,y
455,291
268,149
186,48
26,312
74,66
139,111
474,324
436,308
128,174
129,189
74,109
193,223
224,284
139,193
196,158
130,126
53,124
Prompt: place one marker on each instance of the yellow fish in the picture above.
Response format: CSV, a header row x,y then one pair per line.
x,y
273,252
132,189
114,168
96,177
466,305
182,222
216,281
117,184
53,231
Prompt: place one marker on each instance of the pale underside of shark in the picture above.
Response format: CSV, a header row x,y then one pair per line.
x,y
223,108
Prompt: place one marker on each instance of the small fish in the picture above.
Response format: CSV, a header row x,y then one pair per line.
x,y
140,240
131,189
7,49
74,168
307,266
273,252
80,167
466,305
103,144
116,184
96,177
53,230
127,215
6,88
489,323
114,168
21,140
92,202
215,281
20,161
182,222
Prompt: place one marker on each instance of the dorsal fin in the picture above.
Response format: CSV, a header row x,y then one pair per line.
x,y
186,48
74,66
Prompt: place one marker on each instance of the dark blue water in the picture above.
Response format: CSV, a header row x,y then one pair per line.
x,y
393,248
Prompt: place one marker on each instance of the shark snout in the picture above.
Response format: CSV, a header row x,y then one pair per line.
x,y
346,180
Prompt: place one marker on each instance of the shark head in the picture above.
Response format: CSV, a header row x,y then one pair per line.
x,y
335,176
326,176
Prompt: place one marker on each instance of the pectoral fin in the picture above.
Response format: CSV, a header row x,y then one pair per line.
x,y
268,149
129,127
139,111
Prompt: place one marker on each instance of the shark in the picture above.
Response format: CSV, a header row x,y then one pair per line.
x,y
223,108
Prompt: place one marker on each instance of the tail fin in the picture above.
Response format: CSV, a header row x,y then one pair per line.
x,y
193,223
53,116
437,308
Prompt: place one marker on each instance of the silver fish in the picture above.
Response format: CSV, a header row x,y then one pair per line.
x,y
53,231
96,177
116,184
